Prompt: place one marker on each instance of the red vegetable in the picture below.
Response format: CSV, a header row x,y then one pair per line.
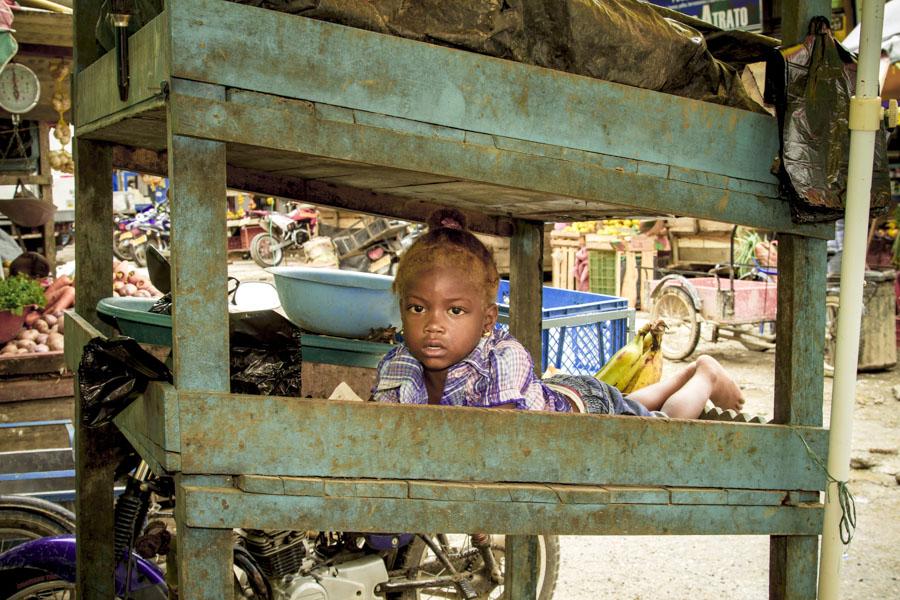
x,y
65,300
58,283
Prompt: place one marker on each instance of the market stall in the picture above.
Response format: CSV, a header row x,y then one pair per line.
x,y
511,144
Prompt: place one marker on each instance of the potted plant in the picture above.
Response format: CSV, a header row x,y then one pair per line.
x,y
17,294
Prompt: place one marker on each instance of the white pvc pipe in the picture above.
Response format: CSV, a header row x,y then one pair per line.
x,y
856,224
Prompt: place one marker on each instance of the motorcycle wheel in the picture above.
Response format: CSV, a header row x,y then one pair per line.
x,y
417,561
23,518
140,255
122,251
264,250
55,590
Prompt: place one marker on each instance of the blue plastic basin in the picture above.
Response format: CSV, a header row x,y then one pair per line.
x,y
333,302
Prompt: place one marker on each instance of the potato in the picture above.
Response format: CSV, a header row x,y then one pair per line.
x,y
50,319
23,351
9,348
41,326
41,338
26,334
41,348
55,341
27,344
60,323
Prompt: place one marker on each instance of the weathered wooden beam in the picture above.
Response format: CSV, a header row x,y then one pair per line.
x,y
49,229
405,78
42,179
231,434
526,281
199,266
96,94
93,216
315,192
580,178
204,570
799,329
46,28
225,506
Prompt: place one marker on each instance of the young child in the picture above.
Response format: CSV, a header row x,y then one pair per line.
x,y
453,355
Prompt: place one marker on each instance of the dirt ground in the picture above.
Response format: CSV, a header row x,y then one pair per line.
x,y
736,567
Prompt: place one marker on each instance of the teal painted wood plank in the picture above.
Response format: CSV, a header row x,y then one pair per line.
x,y
425,490
150,423
522,567
292,127
259,484
756,497
793,567
93,213
234,434
78,333
204,555
698,496
421,82
637,495
96,93
581,494
226,507
526,277
799,362
199,267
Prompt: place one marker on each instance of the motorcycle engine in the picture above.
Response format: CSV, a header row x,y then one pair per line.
x,y
353,579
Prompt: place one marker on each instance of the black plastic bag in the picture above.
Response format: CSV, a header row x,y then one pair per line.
x,y
266,354
113,373
810,85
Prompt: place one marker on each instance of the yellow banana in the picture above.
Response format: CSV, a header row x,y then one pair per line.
x,y
621,363
649,369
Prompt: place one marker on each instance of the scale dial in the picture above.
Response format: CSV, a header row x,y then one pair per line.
x,y
20,88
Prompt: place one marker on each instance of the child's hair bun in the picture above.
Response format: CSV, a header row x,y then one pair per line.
x,y
447,217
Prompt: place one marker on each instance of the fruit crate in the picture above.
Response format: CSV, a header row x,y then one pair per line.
x,y
603,271
351,241
580,330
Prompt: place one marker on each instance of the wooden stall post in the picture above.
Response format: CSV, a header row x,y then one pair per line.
x,y
49,229
526,287
799,366
799,385
199,331
96,450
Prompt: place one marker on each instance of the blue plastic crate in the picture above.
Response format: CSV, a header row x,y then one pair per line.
x,y
580,330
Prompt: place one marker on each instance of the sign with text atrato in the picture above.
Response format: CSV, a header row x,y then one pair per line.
x,y
724,14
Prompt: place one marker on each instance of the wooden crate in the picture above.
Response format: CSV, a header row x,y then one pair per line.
x,y
626,273
564,245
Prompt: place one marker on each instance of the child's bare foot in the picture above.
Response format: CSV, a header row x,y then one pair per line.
x,y
725,393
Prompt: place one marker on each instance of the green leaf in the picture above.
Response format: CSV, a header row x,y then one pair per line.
x,y
18,292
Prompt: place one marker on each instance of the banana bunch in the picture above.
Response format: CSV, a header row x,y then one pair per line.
x,y
638,363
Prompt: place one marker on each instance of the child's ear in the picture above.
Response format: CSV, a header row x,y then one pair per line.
x,y
490,317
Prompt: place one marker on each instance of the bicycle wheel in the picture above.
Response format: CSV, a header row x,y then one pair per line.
x,y
675,307
23,518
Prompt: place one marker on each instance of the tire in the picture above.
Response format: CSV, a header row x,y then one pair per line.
x,y
263,251
23,518
675,307
416,560
831,314
122,250
140,255
56,589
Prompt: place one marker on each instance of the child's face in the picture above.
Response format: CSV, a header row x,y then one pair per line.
x,y
444,316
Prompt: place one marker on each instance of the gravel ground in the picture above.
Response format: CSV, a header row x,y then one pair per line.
x,y
736,567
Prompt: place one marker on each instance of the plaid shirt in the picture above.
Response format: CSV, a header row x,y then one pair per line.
x,y
498,371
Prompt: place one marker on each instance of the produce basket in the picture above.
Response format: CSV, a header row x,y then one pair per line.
x,y
580,330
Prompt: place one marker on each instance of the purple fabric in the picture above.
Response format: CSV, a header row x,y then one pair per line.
x,y
498,371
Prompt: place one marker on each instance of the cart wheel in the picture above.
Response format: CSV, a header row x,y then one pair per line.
x,y
754,343
831,313
674,306
265,251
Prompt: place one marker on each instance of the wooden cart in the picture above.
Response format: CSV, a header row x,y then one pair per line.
x,y
230,95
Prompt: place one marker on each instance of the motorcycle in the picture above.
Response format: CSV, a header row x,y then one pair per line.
x,y
282,231
132,234
276,565
382,253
